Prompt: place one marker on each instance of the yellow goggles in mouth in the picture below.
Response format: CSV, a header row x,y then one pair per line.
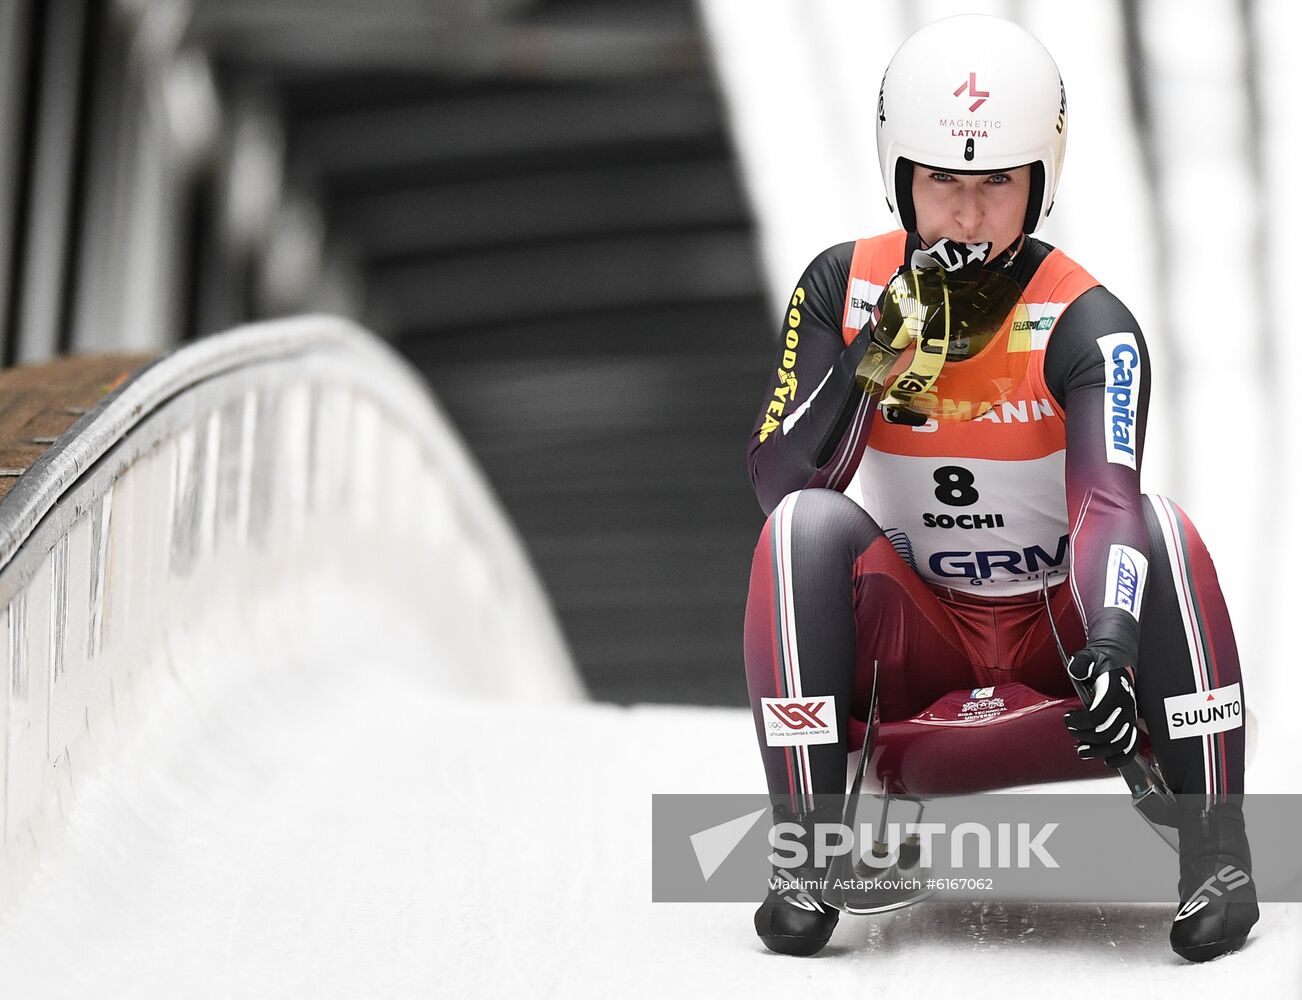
x,y
944,319
914,310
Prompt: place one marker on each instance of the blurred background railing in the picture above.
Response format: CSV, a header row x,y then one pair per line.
x,y
283,499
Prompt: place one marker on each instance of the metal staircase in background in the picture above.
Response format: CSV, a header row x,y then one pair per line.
x,y
564,249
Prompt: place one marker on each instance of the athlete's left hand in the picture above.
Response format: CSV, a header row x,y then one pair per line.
x,y
1109,727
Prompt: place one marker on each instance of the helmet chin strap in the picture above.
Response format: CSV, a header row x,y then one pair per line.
x,y
1006,257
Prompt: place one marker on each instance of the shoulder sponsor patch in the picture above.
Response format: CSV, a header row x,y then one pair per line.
x,y
790,722
1123,377
1032,333
863,295
1204,712
1127,571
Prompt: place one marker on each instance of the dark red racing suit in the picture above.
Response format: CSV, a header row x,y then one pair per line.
x,y
931,550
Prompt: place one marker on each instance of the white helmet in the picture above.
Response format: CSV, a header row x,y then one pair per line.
x,y
971,94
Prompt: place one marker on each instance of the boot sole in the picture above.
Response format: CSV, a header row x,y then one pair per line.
x,y
1206,952
800,947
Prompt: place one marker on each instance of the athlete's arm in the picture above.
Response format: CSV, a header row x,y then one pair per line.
x,y
814,418
1096,366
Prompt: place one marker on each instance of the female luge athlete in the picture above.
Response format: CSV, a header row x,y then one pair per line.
x,y
918,531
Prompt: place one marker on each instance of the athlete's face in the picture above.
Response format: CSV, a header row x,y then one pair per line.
x,y
971,208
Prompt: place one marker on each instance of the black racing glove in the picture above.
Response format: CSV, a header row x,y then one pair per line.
x,y
1109,726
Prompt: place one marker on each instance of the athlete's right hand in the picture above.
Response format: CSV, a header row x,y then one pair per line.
x,y
888,331
871,355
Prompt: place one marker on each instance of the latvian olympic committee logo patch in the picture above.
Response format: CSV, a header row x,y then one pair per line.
x,y
799,721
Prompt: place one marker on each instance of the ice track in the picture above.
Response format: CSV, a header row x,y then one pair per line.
x,y
318,834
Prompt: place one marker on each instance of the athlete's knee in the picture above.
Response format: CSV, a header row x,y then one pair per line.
x,y
1186,639
823,518
822,505
1170,529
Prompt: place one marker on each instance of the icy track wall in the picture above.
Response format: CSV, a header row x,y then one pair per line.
x,y
284,493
